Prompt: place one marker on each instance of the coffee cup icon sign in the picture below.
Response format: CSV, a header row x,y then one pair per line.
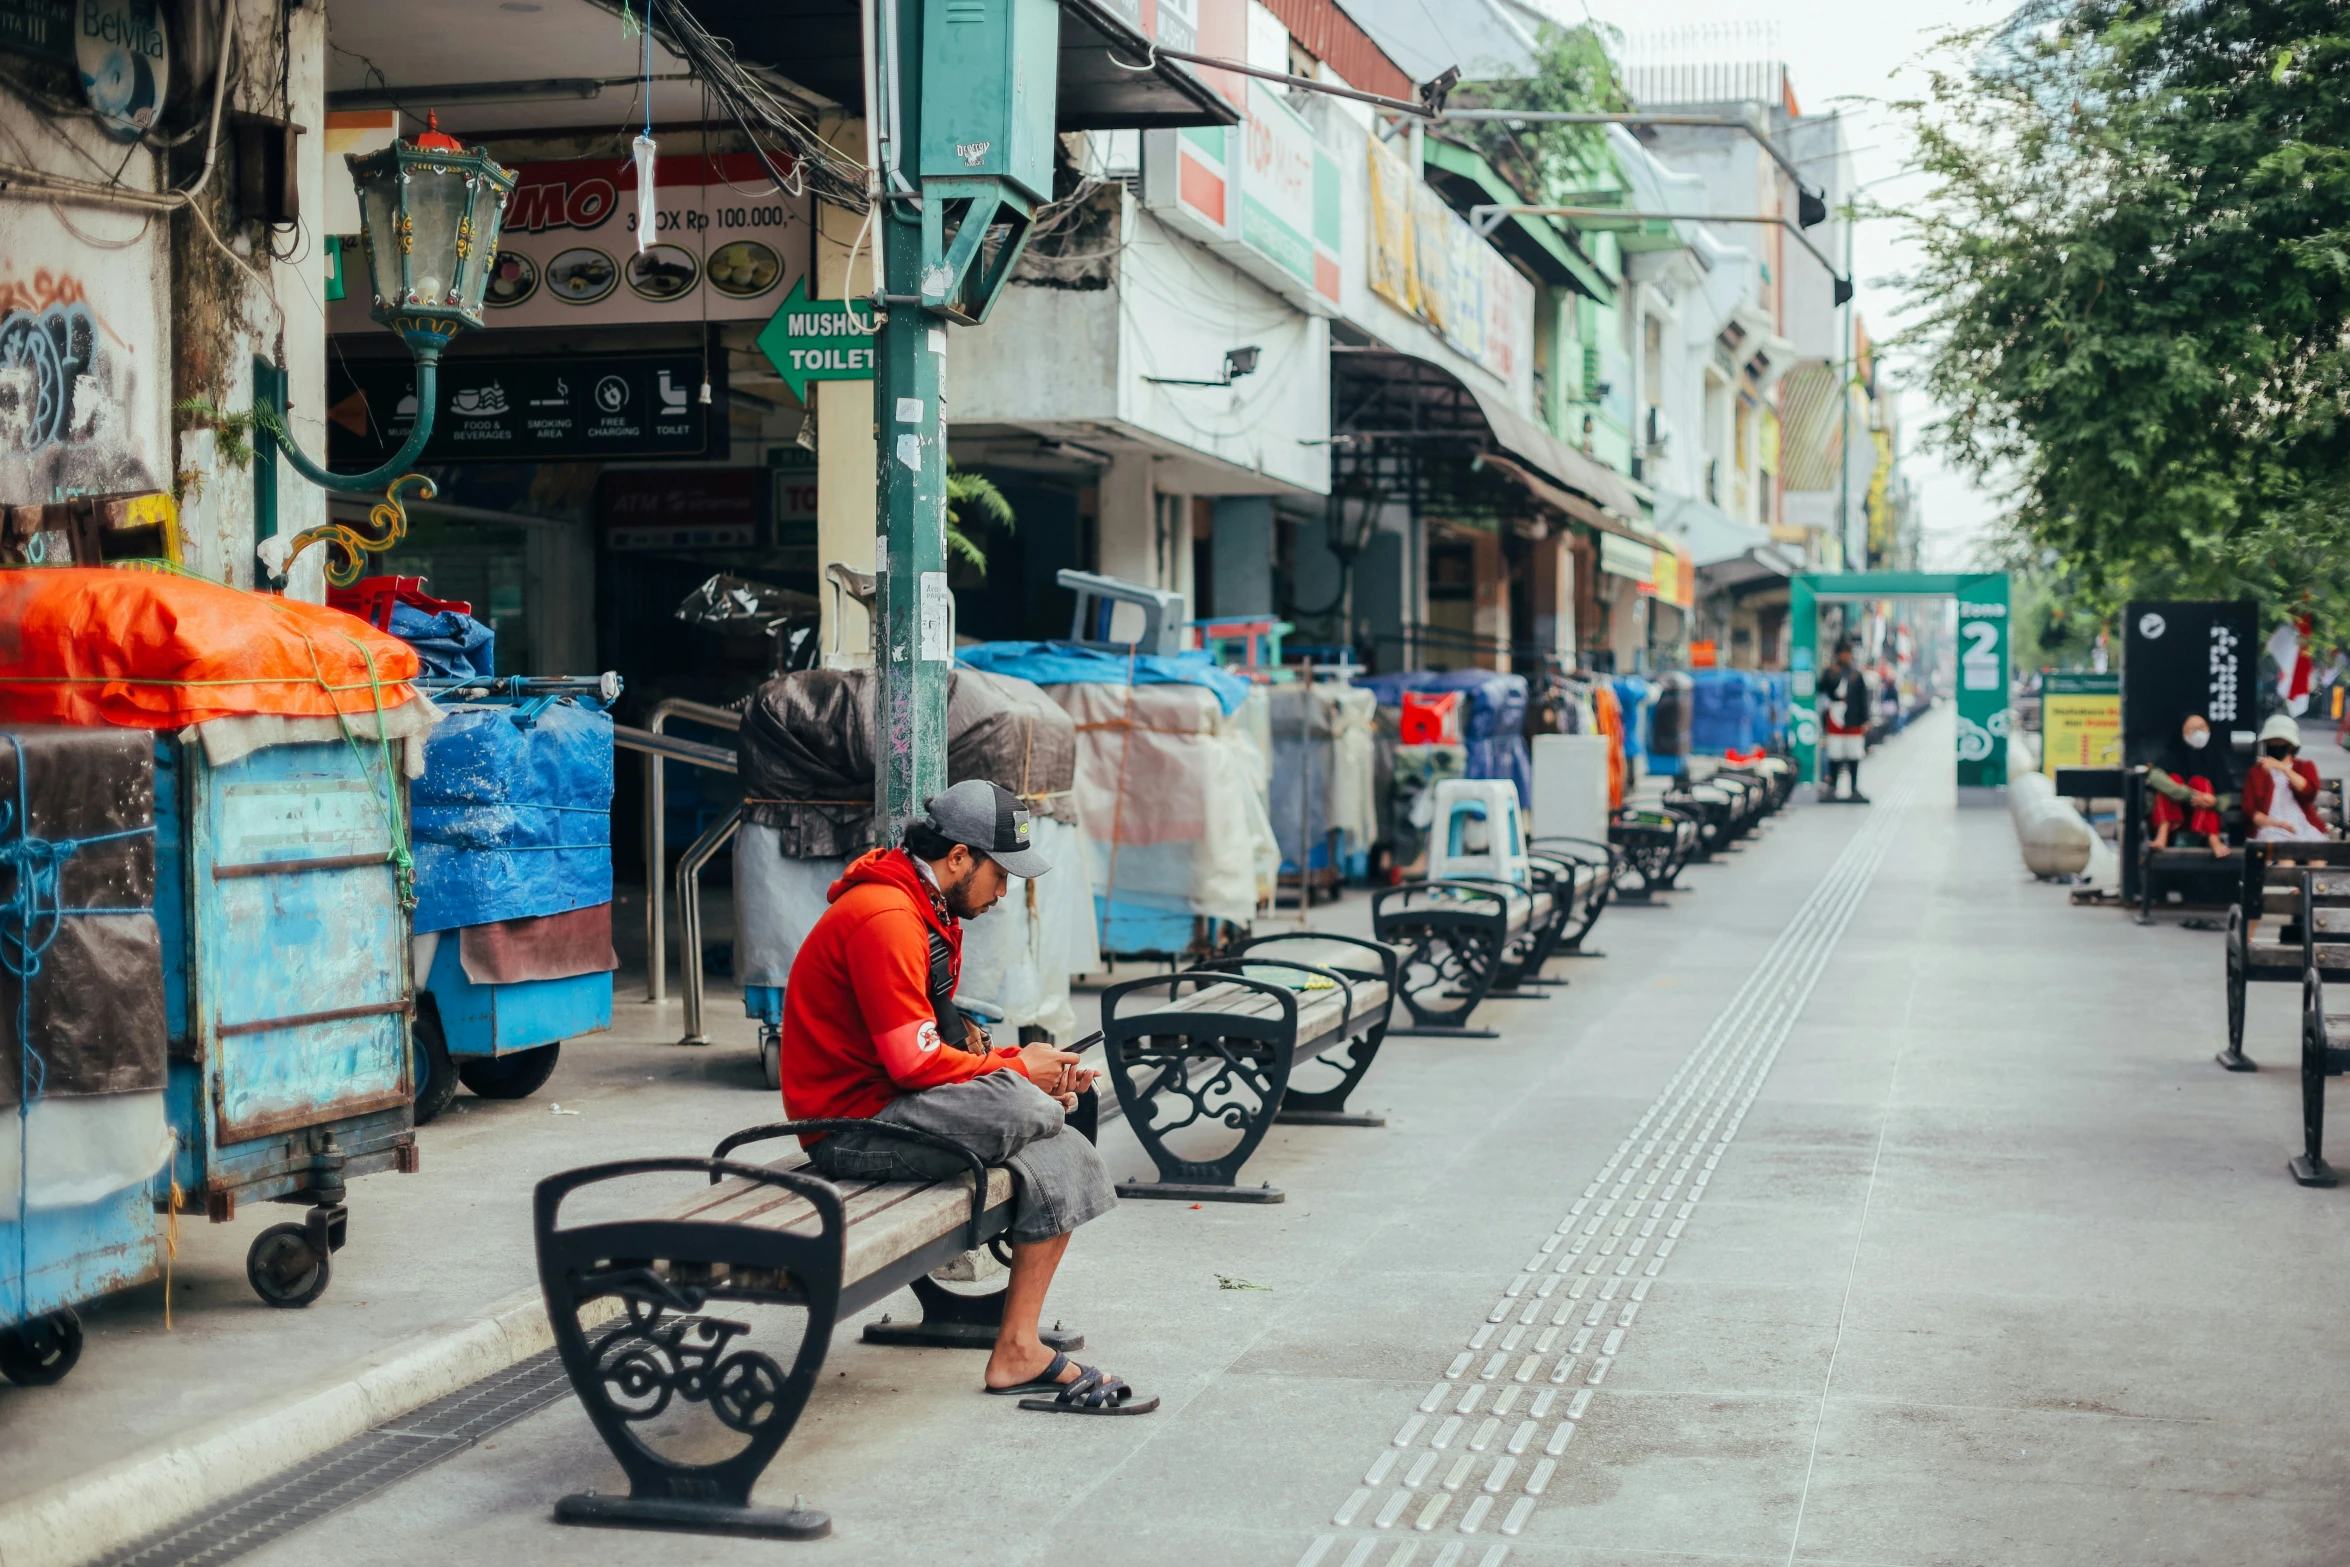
x,y
612,394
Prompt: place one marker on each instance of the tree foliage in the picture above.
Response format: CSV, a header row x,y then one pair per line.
x,y
2137,282
1573,73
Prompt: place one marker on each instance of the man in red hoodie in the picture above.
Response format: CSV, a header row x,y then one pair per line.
x,y
870,1033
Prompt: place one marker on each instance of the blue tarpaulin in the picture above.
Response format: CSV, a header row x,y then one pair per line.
x,y
451,646
1635,696
1073,663
1737,710
511,822
1493,720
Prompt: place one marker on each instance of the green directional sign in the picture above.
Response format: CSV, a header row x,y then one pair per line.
x,y
818,340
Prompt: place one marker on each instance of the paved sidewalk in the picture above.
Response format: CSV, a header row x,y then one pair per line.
x,y
1995,1268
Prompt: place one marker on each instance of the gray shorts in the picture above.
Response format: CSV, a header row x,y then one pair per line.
x,y
1057,1178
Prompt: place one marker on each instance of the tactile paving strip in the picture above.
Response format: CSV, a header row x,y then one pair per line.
x,y
1588,1281
343,1475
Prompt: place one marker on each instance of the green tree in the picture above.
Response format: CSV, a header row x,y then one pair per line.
x,y
1572,73
2137,279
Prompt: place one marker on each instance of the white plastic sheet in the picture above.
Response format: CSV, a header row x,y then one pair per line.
x,y
1173,795
77,1148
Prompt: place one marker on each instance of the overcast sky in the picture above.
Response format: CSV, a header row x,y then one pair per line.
x,y
1853,56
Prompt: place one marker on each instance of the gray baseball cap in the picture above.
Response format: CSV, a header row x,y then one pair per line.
x,y
990,818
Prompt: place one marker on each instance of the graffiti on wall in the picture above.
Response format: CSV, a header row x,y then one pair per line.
x,y
66,382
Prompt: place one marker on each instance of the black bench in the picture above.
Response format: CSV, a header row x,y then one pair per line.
x,y
1460,936
774,1235
2325,1038
2270,895
1221,1047
1656,845
1597,867
2188,868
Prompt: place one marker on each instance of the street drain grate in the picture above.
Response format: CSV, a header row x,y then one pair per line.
x,y
358,1468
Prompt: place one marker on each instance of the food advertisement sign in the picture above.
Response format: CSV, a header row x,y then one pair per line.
x,y
728,245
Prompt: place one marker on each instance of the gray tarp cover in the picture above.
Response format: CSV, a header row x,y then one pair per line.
x,y
96,1004
805,752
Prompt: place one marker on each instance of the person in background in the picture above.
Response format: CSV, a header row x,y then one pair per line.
x,y
2280,793
2183,795
1844,720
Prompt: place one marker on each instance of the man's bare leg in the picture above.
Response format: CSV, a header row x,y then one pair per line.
x,y
1019,1355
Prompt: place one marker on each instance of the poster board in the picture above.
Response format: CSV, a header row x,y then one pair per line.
x,y
2080,721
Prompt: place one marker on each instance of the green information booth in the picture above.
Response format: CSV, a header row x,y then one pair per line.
x,y
1982,665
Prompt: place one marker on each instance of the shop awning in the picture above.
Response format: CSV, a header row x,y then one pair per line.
x,y
815,43
1728,553
1565,502
1523,438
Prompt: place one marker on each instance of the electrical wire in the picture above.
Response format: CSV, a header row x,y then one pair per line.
x,y
751,102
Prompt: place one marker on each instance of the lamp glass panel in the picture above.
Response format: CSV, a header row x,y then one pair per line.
x,y
489,214
436,203
379,211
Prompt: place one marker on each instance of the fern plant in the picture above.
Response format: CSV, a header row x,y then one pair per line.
x,y
973,500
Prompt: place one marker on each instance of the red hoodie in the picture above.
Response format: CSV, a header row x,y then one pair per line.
x,y
858,1029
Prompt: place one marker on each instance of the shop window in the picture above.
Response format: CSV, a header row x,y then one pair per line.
x,y
486,567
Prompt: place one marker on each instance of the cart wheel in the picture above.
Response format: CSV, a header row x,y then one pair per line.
x,y
515,1076
282,1268
435,1073
771,1056
43,1350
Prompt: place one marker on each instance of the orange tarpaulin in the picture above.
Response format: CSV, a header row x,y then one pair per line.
x,y
152,650
1610,715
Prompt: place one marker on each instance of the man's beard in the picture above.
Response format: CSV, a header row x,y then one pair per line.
x,y
958,898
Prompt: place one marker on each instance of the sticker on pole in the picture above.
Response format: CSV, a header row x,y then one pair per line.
x,y
938,637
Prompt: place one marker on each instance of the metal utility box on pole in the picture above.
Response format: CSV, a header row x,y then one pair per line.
x,y
968,86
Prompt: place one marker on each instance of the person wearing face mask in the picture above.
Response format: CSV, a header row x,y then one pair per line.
x,y
2183,796
2280,793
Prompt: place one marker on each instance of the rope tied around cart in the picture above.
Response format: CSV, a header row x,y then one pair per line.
x,y
31,915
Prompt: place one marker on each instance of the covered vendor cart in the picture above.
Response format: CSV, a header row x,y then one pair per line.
x,y
806,761
283,735
513,924
1172,776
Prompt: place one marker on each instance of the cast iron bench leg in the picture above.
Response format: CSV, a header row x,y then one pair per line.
x,y
2319,1060
1458,955
1151,1060
663,1351
2233,1058
1328,1107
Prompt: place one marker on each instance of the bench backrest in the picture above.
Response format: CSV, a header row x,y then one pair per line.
x,y
1478,831
2262,875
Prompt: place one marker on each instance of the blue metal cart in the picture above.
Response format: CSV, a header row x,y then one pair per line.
x,y
280,891
503,1040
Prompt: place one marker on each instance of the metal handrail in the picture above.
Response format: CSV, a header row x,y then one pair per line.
x,y
656,835
689,918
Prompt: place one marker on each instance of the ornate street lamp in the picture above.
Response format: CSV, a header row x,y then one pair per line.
x,y
432,212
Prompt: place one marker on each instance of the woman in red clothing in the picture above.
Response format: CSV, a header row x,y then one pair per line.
x,y
2183,796
2280,793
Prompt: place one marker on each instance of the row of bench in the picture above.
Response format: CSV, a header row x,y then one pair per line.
x,y
1215,1045
2291,924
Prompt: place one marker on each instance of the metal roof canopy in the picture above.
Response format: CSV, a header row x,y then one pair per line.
x,y
816,43
1415,431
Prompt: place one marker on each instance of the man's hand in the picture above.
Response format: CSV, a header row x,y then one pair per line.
x,y
1051,1068
2201,800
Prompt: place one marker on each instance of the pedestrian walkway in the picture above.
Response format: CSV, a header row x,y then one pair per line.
x,y
1925,1233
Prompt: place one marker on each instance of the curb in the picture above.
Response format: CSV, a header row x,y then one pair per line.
x,y
78,1520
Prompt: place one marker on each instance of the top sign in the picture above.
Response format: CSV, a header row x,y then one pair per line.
x,y
727,246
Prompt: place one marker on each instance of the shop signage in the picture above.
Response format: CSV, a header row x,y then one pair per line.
x,y
124,55
37,27
727,245
521,410
2181,657
818,340
1624,557
1263,194
1426,261
682,508
2080,721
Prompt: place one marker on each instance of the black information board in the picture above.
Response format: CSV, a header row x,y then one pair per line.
x,y
2188,656
38,27
524,410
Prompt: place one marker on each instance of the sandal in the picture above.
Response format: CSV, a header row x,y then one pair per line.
x,y
1092,1393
